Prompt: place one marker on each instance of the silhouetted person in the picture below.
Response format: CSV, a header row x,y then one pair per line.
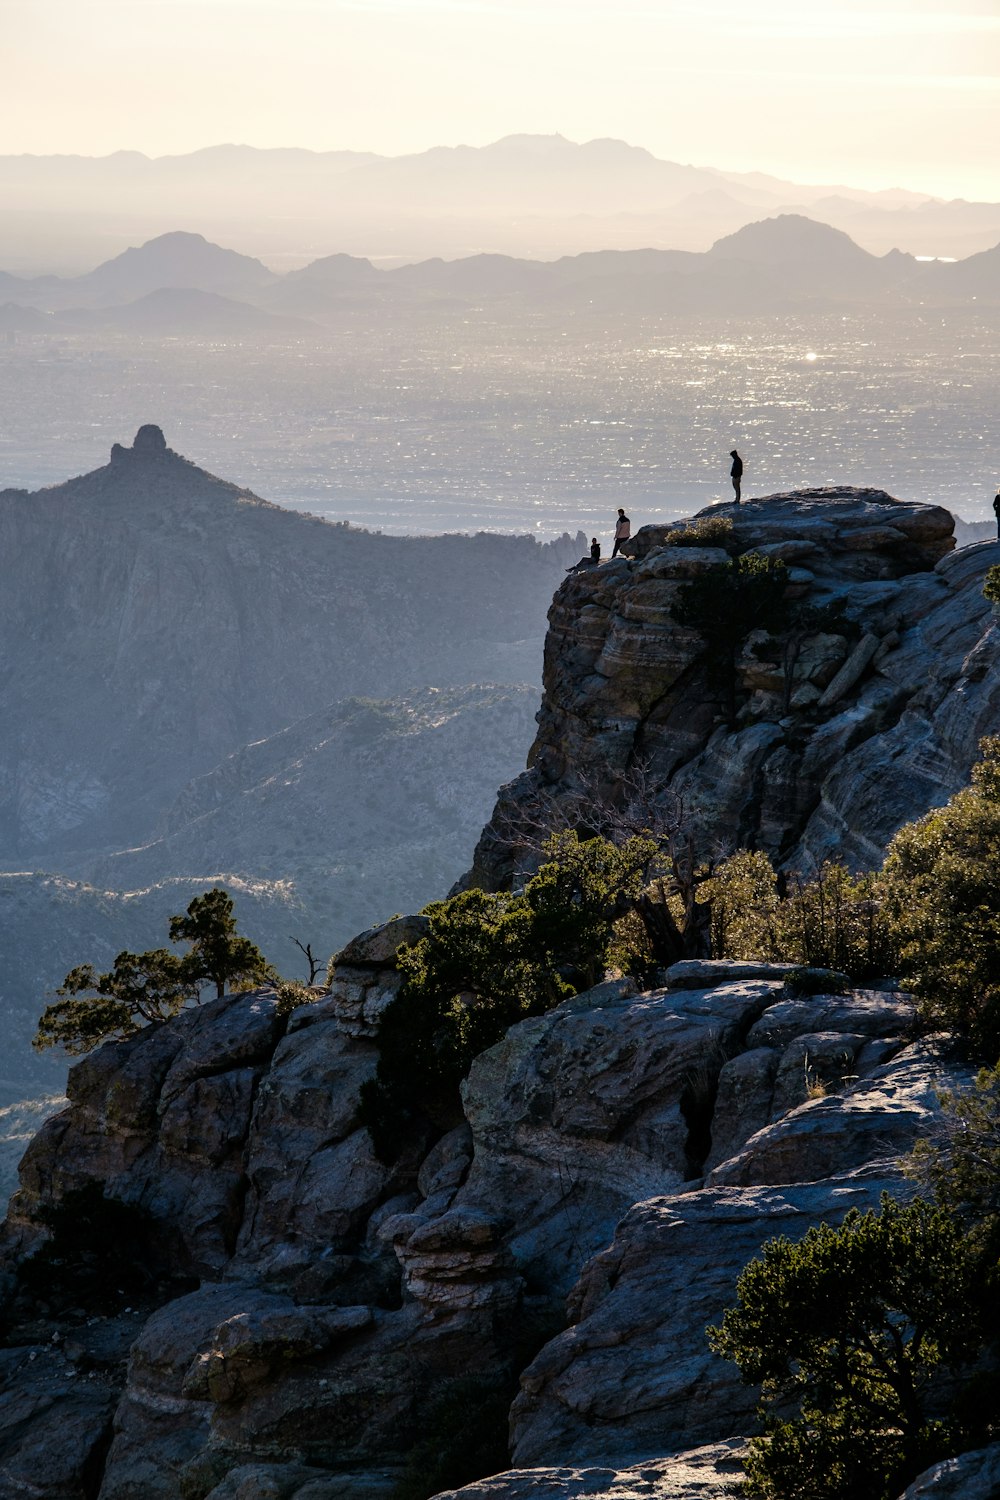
x,y
623,530
588,562
996,511
736,473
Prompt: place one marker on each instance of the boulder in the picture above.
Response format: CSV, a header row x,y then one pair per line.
x,y
707,1473
230,1370
161,1119
55,1422
579,1113
971,1476
377,947
634,1372
874,1121
457,1264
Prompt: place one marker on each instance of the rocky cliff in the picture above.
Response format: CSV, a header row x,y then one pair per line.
x,y
308,1313
863,712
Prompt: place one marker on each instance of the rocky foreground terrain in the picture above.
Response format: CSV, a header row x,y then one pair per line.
x,y
311,1314
628,1150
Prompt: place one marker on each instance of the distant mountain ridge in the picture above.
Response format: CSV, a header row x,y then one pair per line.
x,y
525,195
770,265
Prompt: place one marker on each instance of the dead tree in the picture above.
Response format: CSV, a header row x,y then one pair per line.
x,y
315,964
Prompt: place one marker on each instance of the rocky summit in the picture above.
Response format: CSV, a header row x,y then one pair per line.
x,y
865,710
309,1314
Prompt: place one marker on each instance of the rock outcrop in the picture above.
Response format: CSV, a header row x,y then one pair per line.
x,y
864,712
333,1285
707,1473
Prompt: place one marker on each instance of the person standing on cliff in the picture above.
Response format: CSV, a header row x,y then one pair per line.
x,y
623,530
736,473
996,511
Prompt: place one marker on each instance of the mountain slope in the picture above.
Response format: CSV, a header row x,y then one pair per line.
x,y
368,807
176,259
186,285
173,617
364,809
184,310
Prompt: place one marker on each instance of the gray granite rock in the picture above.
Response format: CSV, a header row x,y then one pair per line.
x,y
839,742
971,1476
634,1372
706,1473
579,1113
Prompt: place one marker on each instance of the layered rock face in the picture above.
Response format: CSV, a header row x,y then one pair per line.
x,y
863,713
338,1296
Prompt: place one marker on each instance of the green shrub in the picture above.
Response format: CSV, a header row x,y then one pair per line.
x,y
743,895
942,882
961,1165
836,921
141,989
991,584
144,989
488,960
842,1331
290,994
217,953
703,531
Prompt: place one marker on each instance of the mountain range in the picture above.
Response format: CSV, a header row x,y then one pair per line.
x,y
525,195
180,283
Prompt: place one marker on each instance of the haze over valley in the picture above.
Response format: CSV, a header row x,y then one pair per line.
x,y
517,395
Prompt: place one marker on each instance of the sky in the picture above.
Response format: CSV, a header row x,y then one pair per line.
x,y
880,94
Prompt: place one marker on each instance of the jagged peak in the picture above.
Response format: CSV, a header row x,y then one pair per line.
x,y
148,443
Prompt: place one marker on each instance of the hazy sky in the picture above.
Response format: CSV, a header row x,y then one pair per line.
x,y
892,92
